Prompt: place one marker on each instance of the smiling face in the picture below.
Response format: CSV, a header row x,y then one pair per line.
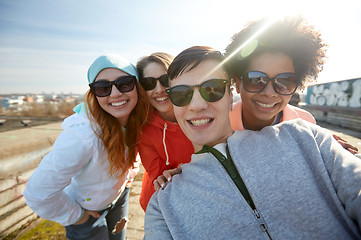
x,y
117,104
260,109
204,123
158,97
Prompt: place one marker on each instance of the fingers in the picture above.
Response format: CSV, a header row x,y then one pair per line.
x,y
167,174
161,181
84,218
93,213
156,185
348,146
352,150
338,138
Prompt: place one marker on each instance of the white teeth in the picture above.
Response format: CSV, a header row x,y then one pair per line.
x,y
200,122
161,99
265,105
118,103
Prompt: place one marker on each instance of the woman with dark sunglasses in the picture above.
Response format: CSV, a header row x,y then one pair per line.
x,y
83,183
270,68
163,145
287,181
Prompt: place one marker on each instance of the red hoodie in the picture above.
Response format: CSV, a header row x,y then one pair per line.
x,y
163,146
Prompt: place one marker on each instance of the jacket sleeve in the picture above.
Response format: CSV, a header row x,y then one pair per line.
x,y
44,192
345,171
155,226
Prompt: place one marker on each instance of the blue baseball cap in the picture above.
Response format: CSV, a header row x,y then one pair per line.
x,y
111,61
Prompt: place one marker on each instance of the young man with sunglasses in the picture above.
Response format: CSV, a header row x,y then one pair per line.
x,y
163,145
288,181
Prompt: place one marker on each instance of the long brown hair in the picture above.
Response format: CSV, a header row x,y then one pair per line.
x,y
110,132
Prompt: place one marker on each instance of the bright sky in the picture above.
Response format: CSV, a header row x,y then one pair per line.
x,y
47,46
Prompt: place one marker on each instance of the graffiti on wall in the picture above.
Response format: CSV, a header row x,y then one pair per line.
x,y
343,94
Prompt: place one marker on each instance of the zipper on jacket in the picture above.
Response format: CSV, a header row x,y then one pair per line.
x,y
262,223
234,174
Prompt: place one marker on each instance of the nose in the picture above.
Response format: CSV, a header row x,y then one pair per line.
x,y
159,88
197,103
115,92
269,90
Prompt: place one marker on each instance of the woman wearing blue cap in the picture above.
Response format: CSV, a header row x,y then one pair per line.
x,y
82,182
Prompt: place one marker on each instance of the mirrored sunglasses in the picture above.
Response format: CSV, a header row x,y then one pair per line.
x,y
103,88
149,83
283,83
211,91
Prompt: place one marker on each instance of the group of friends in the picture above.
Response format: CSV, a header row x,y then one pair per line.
x,y
258,168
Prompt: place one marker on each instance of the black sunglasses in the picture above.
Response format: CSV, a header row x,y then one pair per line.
x,y
103,88
211,91
283,83
149,83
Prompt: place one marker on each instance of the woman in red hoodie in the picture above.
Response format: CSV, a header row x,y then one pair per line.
x,y
163,145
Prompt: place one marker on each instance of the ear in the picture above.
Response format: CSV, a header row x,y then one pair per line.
x,y
238,85
231,96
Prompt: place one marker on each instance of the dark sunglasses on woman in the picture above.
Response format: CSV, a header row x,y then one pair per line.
x,y
283,83
149,83
103,88
211,91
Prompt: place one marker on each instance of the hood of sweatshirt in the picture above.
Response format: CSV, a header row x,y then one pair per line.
x,y
75,120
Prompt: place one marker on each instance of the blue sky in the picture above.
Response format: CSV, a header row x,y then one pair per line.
x,y
47,45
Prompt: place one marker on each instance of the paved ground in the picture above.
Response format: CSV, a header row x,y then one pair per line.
x,y
136,214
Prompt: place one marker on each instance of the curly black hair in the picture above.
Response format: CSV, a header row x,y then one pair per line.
x,y
292,36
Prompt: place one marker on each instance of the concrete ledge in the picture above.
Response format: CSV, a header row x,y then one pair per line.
x,y
16,226
28,140
11,194
14,218
23,162
12,205
20,154
346,117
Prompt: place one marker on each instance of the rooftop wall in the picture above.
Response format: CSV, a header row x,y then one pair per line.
x,y
345,93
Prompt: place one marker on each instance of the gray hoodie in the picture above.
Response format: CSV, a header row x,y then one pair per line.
x,y
303,183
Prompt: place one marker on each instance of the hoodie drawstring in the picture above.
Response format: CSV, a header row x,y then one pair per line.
x,y
165,146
